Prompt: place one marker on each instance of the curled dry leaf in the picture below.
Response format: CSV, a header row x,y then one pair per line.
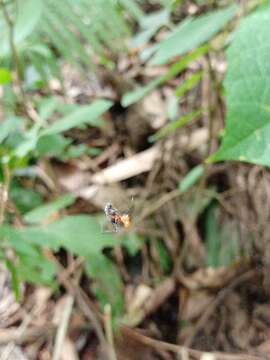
x,y
208,278
147,301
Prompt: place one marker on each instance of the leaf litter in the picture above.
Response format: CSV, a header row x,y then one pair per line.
x,y
175,306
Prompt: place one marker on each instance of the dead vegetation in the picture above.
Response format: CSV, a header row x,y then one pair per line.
x,y
198,286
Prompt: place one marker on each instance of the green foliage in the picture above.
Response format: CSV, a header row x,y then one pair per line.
x,y
86,33
248,93
188,84
191,178
164,257
25,199
150,24
5,76
136,95
222,242
85,114
66,26
80,235
28,15
43,212
191,33
107,285
46,138
172,126
14,279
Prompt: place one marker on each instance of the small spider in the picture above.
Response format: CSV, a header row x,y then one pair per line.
x,y
119,220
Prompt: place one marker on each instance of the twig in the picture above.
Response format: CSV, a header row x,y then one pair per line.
x,y
177,349
19,332
4,192
159,203
108,330
83,302
220,297
62,329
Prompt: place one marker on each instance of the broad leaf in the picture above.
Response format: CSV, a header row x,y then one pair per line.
x,y
247,85
80,234
192,33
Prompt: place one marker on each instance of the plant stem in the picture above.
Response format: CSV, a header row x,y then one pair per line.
x,y
109,331
15,56
4,192
27,107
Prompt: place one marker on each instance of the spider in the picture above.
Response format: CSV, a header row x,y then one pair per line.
x,y
119,220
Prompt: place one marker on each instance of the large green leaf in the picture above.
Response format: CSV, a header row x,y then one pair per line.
x,y
80,234
191,33
247,86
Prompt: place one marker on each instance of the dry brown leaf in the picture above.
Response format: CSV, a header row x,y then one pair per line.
x,y
196,304
208,278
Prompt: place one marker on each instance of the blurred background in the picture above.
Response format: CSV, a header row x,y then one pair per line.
x,y
125,102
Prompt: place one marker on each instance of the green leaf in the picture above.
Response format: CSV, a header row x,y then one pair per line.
x,y
52,145
5,76
191,178
107,285
134,8
172,126
29,13
29,142
47,106
87,114
80,234
188,84
247,86
164,256
222,240
150,24
36,269
212,239
137,94
10,125
132,242
43,212
14,279
191,33
25,199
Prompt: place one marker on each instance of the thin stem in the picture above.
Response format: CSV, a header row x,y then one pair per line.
x,y
109,331
28,108
4,192
15,56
